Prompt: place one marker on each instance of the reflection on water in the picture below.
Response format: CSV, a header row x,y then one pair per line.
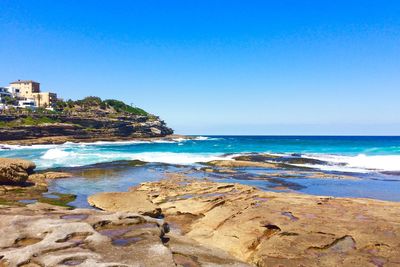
x,y
112,178
119,176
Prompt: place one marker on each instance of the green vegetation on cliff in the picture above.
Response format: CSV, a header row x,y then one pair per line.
x,y
90,118
93,103
120,106
28,121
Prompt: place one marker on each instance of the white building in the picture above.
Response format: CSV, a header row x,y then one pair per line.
x,y
29,103
16,92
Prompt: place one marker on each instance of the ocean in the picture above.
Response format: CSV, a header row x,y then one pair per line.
x,y
374,160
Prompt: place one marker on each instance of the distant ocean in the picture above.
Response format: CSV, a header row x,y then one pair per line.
x,y
376,159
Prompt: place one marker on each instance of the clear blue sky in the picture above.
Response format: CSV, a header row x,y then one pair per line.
x,y
217,67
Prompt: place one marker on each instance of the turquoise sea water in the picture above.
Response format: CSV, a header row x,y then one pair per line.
x,y
375,160
364,152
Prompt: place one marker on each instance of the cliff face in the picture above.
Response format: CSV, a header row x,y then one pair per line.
x,y
87,126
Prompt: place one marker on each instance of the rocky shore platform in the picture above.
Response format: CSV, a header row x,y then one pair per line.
x,y
45,235
267,228
187,221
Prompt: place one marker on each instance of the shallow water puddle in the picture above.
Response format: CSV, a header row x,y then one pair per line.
x,y
119,234
27,201
72,262
290,216
126,241
52,196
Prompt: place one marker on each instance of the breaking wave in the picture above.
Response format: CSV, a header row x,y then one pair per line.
x,y
56,153
358,163
58,157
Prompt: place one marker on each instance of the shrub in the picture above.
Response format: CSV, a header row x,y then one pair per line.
x,y
90,101
120,106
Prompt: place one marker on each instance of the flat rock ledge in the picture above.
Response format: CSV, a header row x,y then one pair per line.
x,y
138,202
273,229
44,235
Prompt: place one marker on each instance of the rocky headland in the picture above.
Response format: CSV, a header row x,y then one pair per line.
x,y
90,119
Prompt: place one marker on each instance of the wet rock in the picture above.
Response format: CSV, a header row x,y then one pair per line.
x,y
22,186
49,175
99,169
255,157
241,163
15,171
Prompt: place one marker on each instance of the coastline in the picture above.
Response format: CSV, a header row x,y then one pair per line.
x,y
57,140
198,209
195,222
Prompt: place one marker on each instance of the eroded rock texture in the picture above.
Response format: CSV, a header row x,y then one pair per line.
x,y
15,171
278,229
82,127
44,235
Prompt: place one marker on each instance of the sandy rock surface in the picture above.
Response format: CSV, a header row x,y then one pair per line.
x,y
45,235
123,201
15,171
278,229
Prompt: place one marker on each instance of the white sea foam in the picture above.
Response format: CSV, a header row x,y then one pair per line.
x,y
337,168
176,158
205,138
97,143
56,153
359,163
18,147
180,139
59,157
201,138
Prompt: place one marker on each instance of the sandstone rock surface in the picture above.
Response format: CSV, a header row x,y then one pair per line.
x,y
44,235
89,126
279,229
124,201
49,175
15,171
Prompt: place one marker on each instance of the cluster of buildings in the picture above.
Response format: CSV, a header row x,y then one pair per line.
x,y
26,94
